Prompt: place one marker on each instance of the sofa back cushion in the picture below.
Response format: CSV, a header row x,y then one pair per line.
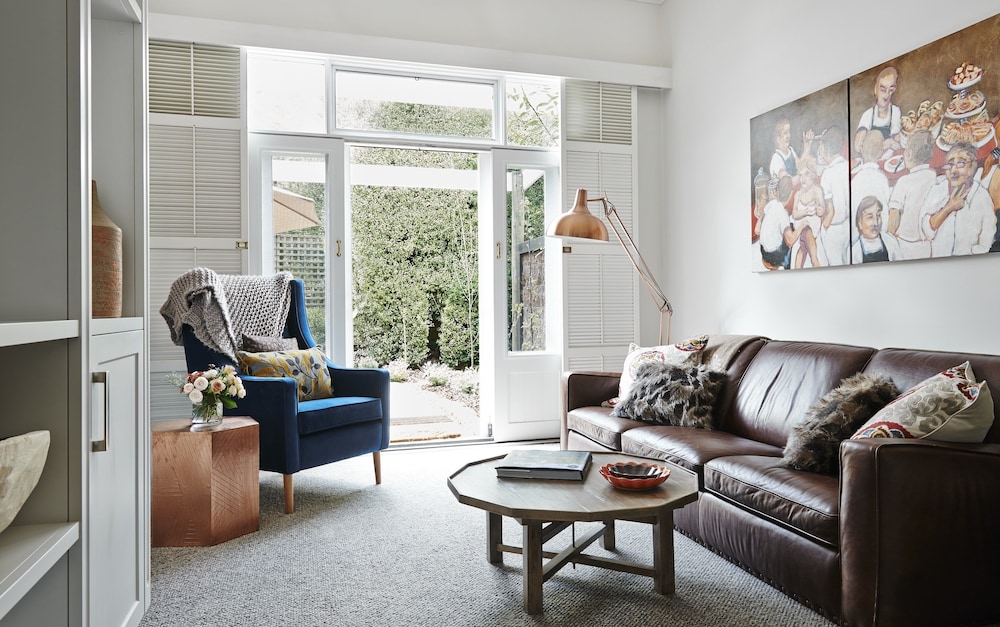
x,y
782,382
908,367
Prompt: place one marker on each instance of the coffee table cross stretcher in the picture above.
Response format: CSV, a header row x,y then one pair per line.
x,y
546,507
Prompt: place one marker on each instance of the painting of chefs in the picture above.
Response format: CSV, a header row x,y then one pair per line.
x,y
800,183
924,144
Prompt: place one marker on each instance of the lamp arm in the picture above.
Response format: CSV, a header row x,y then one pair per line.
x,y
640,265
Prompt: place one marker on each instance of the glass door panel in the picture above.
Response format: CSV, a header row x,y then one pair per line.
x,y
296,216
526,261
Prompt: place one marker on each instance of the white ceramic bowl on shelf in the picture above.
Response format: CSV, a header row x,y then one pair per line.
x,y
22,458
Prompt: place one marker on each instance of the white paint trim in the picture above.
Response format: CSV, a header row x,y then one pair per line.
x,y
181,28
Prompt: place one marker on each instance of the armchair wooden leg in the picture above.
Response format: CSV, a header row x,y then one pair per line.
x,y
289,494
377,455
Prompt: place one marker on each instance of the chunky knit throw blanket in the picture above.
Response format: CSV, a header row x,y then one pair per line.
x,y
222,308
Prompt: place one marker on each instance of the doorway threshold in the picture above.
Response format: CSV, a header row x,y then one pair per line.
x,y
464,442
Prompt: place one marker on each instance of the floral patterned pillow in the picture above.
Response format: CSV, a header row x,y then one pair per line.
x,y
671,354
948,407
307,367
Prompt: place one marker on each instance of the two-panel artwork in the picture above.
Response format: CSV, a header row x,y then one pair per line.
x,y
898,162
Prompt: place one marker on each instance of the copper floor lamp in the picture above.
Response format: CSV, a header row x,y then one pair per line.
x,y
580,222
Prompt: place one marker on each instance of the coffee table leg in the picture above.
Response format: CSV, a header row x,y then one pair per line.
x,y
531,549
494,537
608,539
663,553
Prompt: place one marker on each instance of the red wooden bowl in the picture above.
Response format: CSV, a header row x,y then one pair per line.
x,y
625,475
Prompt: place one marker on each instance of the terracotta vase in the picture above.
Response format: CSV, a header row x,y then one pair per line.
x,y
105,262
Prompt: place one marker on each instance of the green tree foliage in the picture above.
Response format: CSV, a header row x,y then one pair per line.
x,y
409,283
532,114
406,117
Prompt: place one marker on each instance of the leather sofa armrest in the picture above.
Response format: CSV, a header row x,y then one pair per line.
x,y
917,515
585,389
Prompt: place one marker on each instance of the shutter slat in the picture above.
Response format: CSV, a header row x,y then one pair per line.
x,y
216,81
171,181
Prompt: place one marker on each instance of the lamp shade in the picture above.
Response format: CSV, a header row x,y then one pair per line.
x,y
579,222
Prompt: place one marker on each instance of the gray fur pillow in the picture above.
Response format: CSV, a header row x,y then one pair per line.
x,y
683,396
814,443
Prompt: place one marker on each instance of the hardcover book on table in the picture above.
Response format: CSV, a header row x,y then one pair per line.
x,y
544,464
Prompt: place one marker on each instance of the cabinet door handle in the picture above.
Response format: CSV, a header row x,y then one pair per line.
x,y
99,446
338,247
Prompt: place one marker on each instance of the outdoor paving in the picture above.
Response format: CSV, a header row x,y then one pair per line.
x,y
418,414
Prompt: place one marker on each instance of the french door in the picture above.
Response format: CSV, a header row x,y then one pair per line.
x,y
521,305
520,271
299,184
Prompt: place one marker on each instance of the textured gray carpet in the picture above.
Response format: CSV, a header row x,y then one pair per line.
x,y
407,553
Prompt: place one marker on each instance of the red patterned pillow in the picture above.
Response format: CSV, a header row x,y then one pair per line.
x,y
951,406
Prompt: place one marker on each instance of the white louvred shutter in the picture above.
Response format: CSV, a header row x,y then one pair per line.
x,y
218,183
598,112
170,84
194,79
216,81
600,282
165,266
616,114
171,181
195,182
583,111
195,189
601,307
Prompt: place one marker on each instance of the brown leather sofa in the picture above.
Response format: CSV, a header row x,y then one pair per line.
x,y
907,534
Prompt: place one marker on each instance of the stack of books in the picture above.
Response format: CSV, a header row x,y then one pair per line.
x,y
544,464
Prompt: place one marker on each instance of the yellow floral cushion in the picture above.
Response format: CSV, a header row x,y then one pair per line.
x,y
307,367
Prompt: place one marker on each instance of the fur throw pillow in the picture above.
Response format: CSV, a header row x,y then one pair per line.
x,y
814,443
683,396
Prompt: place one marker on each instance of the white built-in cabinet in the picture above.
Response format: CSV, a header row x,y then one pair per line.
x,y
72,109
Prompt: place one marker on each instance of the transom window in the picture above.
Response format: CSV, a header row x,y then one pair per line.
x,y
414,105
314,95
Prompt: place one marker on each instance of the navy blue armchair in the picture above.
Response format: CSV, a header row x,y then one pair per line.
x,y
294,434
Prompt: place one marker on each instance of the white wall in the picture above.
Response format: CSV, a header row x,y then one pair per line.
x,y
759,56
513,35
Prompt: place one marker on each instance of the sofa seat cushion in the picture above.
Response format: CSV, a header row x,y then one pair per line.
x,y
599,425
805,501
330,413
690,447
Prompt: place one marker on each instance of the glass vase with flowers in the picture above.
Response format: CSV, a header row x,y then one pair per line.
x,y
210,391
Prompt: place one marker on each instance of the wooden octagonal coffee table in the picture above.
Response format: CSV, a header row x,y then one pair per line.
x,y
545,507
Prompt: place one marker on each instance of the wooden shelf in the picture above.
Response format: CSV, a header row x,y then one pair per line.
x,y
27,553
117,10
15,333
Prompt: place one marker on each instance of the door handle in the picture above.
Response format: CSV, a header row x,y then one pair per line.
x,y
100,446
338,247
499,251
